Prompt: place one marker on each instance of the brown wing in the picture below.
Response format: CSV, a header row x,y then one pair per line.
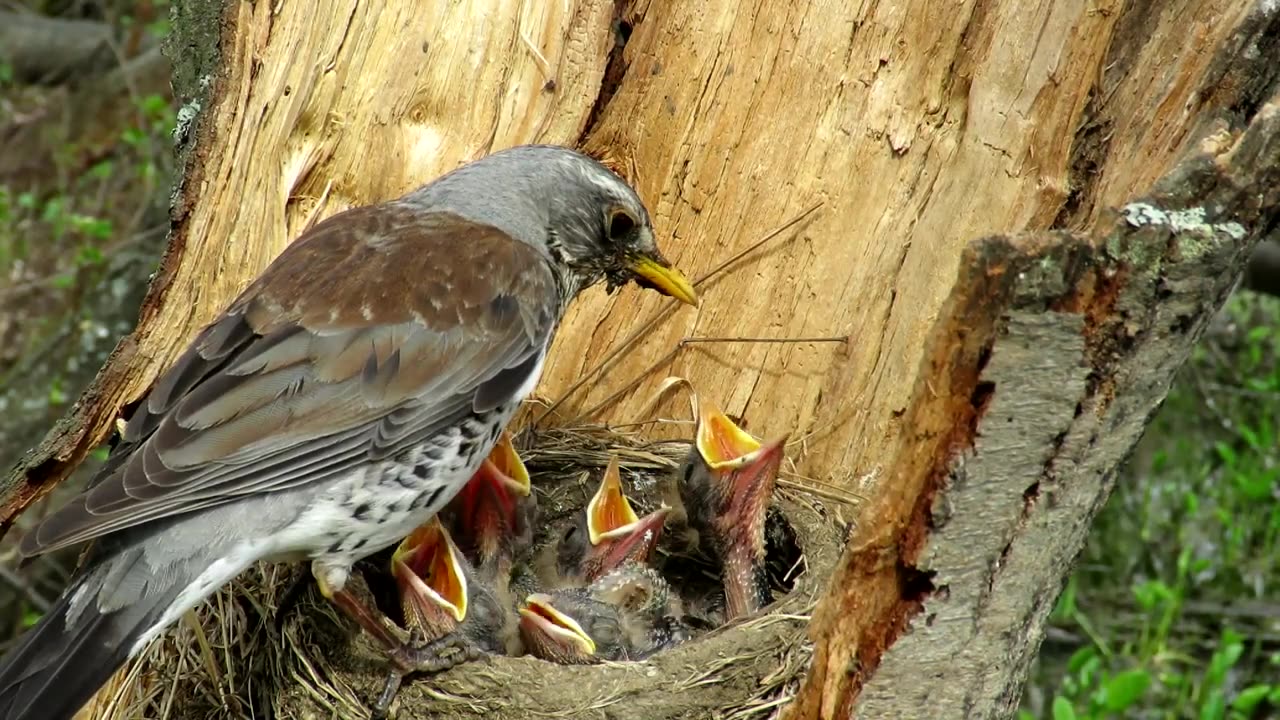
x,y
366,336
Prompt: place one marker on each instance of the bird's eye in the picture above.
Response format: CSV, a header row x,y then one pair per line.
x,y
621,224
573,530
687,471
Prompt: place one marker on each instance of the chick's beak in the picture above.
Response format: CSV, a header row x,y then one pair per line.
x,y
512,472
428,570
552,631
721,443
635,541
609,511
653,271
487,505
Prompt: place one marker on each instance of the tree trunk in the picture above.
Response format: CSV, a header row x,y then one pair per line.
x,y
1120,160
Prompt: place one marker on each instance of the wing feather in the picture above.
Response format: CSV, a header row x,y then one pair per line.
x,y
334,358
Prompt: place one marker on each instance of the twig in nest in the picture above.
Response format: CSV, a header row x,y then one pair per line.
x,y
645,327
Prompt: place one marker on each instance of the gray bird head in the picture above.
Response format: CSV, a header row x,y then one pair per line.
x,y
559,200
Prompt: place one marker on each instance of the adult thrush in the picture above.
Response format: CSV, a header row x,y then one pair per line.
x,y
726,483
340,401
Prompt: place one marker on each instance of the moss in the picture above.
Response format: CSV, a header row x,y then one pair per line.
x,y
194,49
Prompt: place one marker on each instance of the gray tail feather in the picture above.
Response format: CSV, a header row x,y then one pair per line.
x,y
60,663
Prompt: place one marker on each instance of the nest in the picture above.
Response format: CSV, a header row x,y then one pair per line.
x,y
236,658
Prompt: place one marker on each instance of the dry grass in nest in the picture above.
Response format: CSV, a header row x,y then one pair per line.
x,y
232,659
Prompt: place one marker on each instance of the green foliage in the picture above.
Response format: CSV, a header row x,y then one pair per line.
x,y
1172,607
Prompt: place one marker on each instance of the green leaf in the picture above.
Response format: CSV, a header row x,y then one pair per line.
x,y
1123,690
1225,452
1065,608
102,169
1214,707
1062,709
1184,562
1254,487
1233,650
158,28
1080,657
1259,384
154,105
1192,503
89,225
1249,436
1251,697
30,617
52,210
89,255
1152,593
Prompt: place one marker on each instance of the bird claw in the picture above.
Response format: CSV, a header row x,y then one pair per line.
x,y
421,655
435,656
388,694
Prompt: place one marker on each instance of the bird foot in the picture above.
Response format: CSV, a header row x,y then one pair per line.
x,y
419,655
435,656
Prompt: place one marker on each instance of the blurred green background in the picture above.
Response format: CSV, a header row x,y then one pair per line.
x,y
1172,612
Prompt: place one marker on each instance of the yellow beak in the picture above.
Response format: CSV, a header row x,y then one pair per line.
x,y
609,511
720,441
507,460
541,613
658,274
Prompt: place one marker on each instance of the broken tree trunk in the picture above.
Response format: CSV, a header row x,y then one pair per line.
x,y
989,389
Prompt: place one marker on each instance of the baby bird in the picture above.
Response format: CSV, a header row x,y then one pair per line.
x,y
447,603
627,614
726,483
493,516
603,537
440,593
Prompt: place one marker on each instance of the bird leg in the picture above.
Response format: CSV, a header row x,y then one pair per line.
x,y
422,656
388,695
419,655
407,656
290,598
371,621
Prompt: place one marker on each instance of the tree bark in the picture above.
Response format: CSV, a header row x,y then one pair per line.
x,y
1120,158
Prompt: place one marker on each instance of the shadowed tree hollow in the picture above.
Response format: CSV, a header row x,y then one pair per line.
x,y
1019,216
